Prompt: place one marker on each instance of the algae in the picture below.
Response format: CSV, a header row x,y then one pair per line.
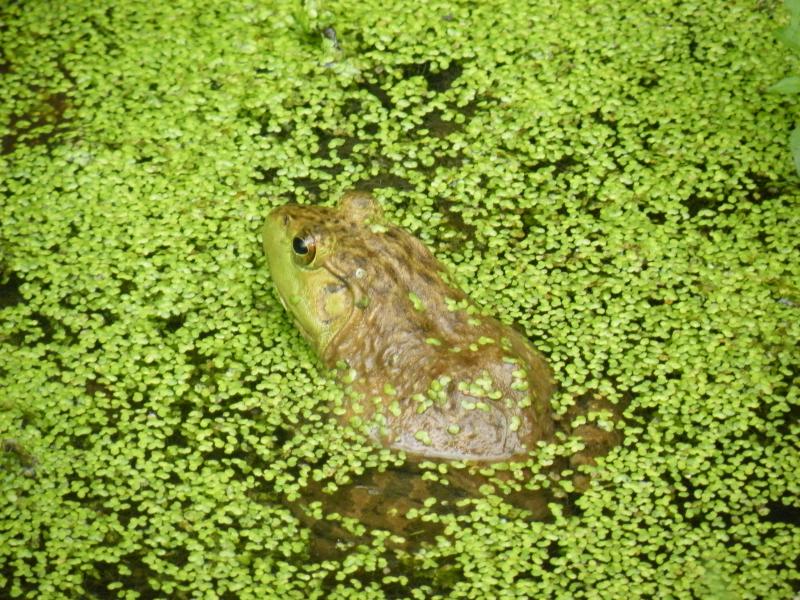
x,y
609,177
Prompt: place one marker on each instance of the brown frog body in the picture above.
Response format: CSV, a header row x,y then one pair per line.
x,y
424,370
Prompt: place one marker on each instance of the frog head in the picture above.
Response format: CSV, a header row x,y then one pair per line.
x,y
304,247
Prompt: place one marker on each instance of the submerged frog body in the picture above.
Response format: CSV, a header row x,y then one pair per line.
x,y
425,372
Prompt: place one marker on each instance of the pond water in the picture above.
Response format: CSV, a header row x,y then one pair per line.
x,y
611,180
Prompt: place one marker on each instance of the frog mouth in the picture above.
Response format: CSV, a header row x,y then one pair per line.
x,y
280,297
296,322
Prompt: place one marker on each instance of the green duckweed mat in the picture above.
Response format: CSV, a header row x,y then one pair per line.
x,y
610,177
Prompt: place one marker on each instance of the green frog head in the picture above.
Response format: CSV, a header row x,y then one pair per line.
x,y
309,251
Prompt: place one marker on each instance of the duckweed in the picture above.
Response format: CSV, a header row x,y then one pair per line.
x,y
416,301
423,436
608,177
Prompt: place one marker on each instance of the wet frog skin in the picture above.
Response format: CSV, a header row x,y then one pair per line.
x,y
425,372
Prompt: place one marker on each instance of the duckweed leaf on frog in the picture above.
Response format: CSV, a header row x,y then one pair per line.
x,y
604,177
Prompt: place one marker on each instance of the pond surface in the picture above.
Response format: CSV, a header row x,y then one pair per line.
x,y
610,180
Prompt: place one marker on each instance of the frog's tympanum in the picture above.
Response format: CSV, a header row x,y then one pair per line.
x,y
425,371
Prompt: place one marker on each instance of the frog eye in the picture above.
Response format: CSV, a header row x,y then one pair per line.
x,y
305,248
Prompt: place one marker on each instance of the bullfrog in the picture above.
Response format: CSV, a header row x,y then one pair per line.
x,y
425,370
